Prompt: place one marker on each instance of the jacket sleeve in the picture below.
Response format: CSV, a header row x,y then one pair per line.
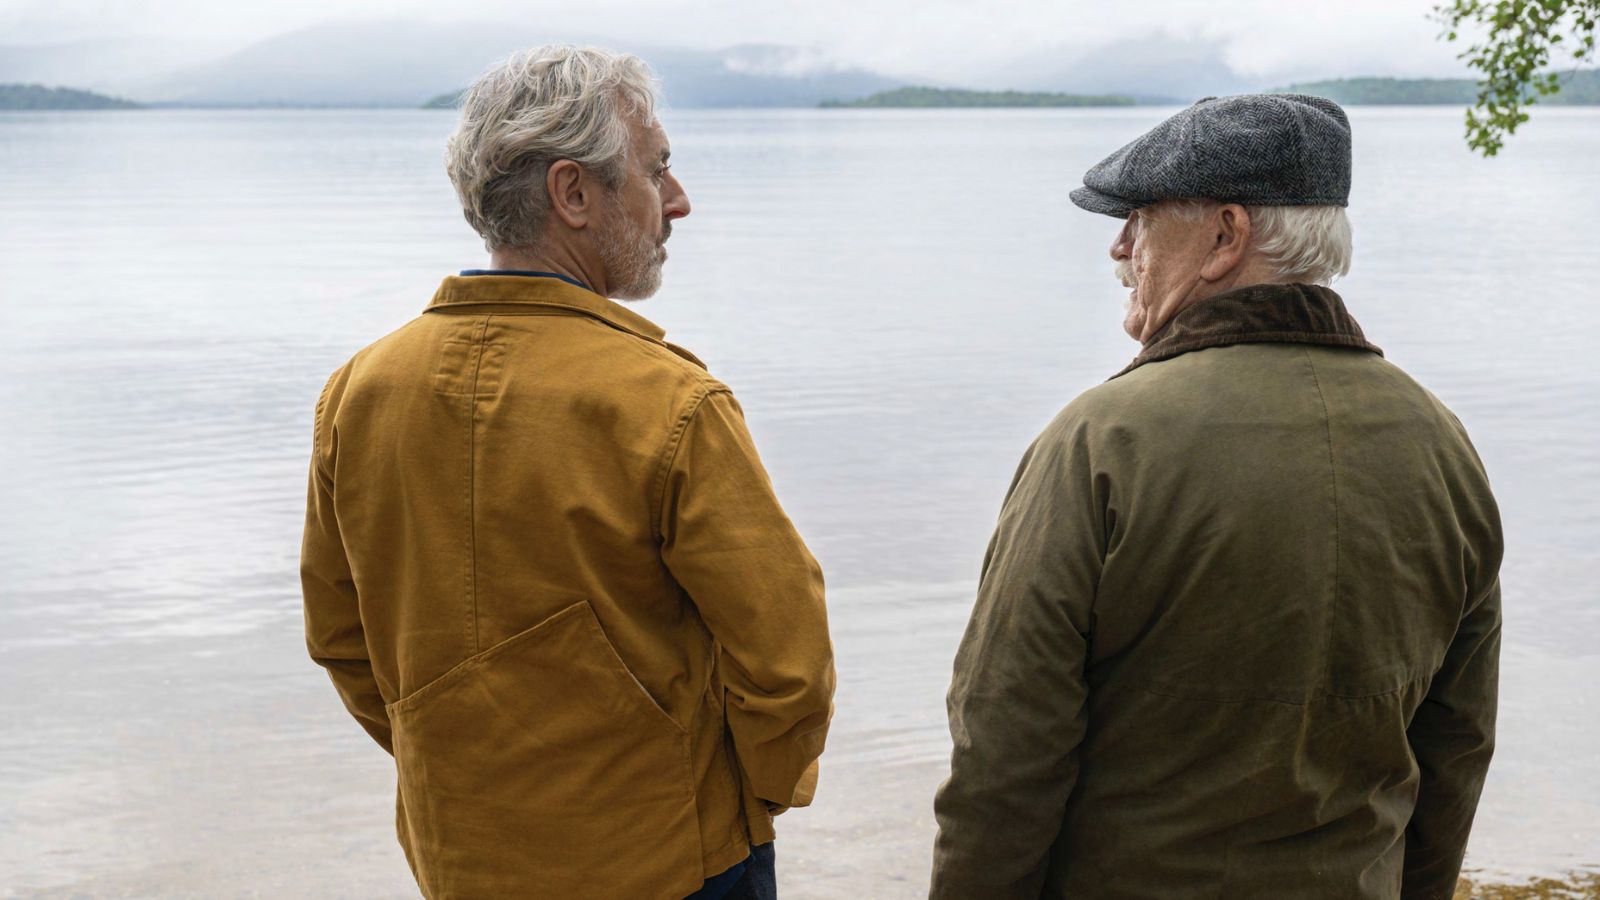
x,y
1452,738
1017,698
728,543
334,635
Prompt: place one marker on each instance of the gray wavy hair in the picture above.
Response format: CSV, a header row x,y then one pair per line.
x,y
540,106
1307,244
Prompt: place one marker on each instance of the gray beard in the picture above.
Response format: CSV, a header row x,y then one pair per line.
x,y
632,260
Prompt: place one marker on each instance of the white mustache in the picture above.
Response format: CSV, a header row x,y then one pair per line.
x,y
1124,273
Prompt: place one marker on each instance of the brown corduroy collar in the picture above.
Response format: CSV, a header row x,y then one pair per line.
x,y
1260,313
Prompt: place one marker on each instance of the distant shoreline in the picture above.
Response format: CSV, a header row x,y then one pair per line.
x,y
952,98
1579,88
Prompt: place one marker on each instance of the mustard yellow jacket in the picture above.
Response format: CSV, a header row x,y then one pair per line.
x,y
546,570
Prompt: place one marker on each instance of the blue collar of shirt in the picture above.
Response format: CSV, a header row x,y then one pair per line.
x,y
529,273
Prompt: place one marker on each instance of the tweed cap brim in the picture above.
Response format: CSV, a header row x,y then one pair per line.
x,y
1097,202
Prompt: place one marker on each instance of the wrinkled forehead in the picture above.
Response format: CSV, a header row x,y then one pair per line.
x,y
1146,219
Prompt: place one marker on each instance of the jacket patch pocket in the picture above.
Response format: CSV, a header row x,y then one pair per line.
x,y
540,767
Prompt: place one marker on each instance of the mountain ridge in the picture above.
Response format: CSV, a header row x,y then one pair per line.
x,y
405,63
401,63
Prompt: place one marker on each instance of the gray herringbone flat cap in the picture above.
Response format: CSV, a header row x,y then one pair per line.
x,y
1255,149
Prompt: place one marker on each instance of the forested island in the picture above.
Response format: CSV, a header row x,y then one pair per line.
x,y
1579,88
949,98
37,96
445,101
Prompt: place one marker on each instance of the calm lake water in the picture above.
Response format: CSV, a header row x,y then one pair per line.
x,y
901,300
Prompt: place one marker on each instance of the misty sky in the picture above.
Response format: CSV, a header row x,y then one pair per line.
x,y
943,39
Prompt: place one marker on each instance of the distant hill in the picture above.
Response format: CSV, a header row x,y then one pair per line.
x,y
409,64
746,76
944,98
37,96
1155,69
1580,88
757,75
346,64
406,64
449,100
107,66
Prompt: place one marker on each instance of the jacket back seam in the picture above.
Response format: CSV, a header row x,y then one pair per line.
x,y
478,341
1333,481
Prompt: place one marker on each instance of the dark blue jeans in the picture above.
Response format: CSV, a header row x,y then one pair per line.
x,y
754,879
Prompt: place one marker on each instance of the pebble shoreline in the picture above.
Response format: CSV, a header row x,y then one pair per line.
x,y
1574,886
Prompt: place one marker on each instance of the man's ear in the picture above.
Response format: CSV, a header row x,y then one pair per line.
x,y
573,193
1231,242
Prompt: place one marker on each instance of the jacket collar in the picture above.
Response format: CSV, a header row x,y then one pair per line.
x,y
547,294
1260,313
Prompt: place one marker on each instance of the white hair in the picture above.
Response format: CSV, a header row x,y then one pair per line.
x,y
1307,244
540,106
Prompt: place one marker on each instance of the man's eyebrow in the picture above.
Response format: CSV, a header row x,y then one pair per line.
x,y
666,154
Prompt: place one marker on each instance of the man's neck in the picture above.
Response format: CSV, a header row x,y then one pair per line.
x,y
556,261
1252,273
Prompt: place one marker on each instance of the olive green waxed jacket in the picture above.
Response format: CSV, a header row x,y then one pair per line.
x,y
1238,630
546,570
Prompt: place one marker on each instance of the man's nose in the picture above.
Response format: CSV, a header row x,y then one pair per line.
x,y
1122,244
676,204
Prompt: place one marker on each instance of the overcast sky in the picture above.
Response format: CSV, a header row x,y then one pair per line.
x,y
944,39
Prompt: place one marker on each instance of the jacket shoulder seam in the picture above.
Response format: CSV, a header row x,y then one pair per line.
x,y
320,416
659,353
669,454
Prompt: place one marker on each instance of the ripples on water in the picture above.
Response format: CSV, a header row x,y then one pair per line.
x,y
901,301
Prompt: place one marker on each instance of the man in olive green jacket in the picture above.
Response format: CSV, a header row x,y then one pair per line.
x,y
542,563
1238,629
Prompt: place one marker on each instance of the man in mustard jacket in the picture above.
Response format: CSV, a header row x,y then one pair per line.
x,y
1238,629
543,563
